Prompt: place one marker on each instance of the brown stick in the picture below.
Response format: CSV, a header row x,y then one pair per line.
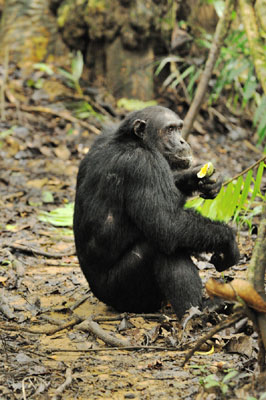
x,y
62,114
130,348
222,325
28,249
263,158
93,327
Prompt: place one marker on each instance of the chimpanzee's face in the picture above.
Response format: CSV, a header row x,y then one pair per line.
x,y
171,144
161,127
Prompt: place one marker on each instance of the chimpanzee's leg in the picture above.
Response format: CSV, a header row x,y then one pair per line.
x,y
179,281
130,285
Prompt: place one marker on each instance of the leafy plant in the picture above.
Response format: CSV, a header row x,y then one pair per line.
x,y
212,381
62,216
235,70
44,68
74,76
233,75
7,132
178,74
232,202
235,200
82,109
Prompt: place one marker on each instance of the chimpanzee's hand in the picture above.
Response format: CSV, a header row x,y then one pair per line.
x,y
209,187
226,259
188,182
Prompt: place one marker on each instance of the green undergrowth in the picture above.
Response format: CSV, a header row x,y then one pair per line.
x,y
236,200
239,200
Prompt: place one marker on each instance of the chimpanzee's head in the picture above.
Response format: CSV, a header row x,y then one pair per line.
x,y
161,128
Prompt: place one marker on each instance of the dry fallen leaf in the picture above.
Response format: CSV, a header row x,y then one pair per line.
x,y
62,152
238,287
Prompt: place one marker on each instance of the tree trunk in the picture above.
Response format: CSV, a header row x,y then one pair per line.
x,y
119,39
28,33
257,270
255,39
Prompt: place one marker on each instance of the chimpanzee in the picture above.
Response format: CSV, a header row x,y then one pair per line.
x,y
133,236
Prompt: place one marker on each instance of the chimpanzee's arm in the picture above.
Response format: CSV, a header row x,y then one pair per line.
x,y
156,208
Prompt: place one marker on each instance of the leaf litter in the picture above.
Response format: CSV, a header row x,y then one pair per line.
x,y
45,299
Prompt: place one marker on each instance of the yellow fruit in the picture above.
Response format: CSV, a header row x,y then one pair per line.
x,y
206,170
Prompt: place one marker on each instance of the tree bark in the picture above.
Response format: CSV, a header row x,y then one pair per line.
x,y
28,32
119,39
256,45
257,270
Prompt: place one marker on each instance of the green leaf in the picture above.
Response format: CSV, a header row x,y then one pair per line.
x,y
258,181
62,216
11,228
230,375
244,195
194,203
260,112
250,88
234,197
170,78
43,67
47,196
66,74
223,200
167,60
193,80
77,65
182,76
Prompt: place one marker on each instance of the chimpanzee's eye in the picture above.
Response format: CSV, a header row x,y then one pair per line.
x,y
180,124
171,128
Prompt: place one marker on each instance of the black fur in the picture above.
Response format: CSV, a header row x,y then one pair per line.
x,y
133,236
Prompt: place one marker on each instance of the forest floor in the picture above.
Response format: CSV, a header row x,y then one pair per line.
x,y
44,296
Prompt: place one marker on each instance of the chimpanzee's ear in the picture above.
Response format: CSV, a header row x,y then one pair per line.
x,y
139,127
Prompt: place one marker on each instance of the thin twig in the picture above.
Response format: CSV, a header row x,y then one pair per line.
x,y
64,385
79,302
129,348
245,170
62,114
220,33
222,325
64,325
28,249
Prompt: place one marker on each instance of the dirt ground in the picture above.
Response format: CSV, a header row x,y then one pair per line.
x,y
44,296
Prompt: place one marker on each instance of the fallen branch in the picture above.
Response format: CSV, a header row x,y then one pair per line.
x,y
61,114
28,249
129,348
61,326
108,338
120,317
